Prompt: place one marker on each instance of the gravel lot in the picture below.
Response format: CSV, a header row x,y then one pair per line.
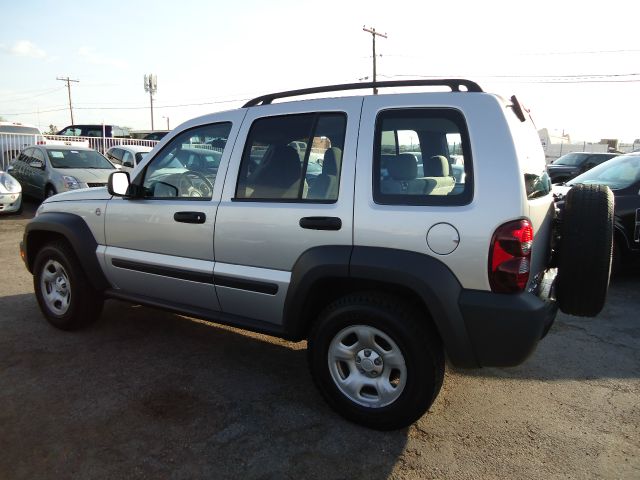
x,y
148,394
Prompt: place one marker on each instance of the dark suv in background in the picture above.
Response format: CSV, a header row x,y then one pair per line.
x,y
573,164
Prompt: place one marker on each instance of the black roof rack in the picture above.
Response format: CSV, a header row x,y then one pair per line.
x,y
453,83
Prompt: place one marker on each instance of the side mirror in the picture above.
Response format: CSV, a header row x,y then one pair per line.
x,y
118,183
36,164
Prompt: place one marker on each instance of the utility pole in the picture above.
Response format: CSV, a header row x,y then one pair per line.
x,y
373,33
151,86
68,80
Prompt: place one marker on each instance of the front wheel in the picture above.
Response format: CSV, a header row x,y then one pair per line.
x,y
63,291
376,360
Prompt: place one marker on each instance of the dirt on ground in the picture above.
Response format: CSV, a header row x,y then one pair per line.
x,y
148,394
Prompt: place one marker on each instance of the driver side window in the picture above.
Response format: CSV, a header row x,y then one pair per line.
x,y
188,165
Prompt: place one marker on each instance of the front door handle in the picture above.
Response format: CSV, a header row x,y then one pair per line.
x,y
189,217
321,223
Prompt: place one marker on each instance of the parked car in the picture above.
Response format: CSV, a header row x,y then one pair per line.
x,y
96,130
126,157
385,274
622,176
158,135
46,170
572,164
14,137
10,194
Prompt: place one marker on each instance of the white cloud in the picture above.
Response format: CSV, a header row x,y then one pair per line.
x,y
24,48
90,55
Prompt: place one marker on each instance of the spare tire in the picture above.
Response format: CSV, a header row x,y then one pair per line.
x,y
584,263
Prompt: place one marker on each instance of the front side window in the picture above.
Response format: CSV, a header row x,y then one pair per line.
x,y
293,158
422,157
188,165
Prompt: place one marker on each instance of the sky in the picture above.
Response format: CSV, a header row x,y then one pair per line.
x,y
575,66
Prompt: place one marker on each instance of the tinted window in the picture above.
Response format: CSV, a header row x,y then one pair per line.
x,y
187,166
115,155
127,159
422,157
293,157
60,158
19,129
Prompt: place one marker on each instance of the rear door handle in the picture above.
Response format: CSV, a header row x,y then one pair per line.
x,y
189,217
321,223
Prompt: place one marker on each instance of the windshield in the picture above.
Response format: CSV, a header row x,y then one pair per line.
x,y
570,159
78,159
618,173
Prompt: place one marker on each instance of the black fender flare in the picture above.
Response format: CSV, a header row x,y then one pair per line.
x,y
425,276
75,230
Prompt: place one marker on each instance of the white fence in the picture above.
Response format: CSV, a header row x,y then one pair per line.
x,y
11,144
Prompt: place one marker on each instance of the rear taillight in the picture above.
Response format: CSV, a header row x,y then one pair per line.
x,y
510,257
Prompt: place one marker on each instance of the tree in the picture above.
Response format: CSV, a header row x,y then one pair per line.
x,y
52,130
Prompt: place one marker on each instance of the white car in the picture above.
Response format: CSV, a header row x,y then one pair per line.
x,y
126,157
10,194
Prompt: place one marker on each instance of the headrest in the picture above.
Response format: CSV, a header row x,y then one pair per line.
x,y
437,166
403,167
285,164
332,161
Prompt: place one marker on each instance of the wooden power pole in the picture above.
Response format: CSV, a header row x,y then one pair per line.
x,y
374,34
68,81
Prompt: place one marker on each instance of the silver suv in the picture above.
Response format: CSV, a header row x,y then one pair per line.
x,y
401,230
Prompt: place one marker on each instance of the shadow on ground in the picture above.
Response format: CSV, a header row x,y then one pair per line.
x,y
144,393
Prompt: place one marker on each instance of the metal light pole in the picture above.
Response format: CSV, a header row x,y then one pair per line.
x,y
151,86
373,33
167,122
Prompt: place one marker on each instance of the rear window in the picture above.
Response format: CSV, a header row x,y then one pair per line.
x,y
19,129
422,156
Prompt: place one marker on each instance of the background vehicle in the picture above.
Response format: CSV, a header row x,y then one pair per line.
x,y
572,164
10,194
622,176
94,131
13,138
382,271
46,170
127,156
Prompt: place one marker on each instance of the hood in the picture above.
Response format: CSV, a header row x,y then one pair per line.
x,y
96,193
87,175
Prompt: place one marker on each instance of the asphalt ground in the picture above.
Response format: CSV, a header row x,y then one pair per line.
x,y
148,394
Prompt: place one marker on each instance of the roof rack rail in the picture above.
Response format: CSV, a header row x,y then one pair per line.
x,y
453,83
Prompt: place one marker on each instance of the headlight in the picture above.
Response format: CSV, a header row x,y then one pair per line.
x,y
10,183
71,183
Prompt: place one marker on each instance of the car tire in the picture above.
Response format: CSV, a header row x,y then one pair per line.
x,y
64,293
364,333
49,192
20,207
584,266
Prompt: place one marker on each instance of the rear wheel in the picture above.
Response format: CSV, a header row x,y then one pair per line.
x,y
376,360
64,293
584,265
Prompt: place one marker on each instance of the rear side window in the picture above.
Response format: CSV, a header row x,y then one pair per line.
x,y
422,157
293,158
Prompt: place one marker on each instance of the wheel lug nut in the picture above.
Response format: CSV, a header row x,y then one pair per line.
x,y
377,361
358,359
374,373
367,353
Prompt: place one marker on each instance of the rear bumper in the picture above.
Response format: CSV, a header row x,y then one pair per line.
x,y
505,329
